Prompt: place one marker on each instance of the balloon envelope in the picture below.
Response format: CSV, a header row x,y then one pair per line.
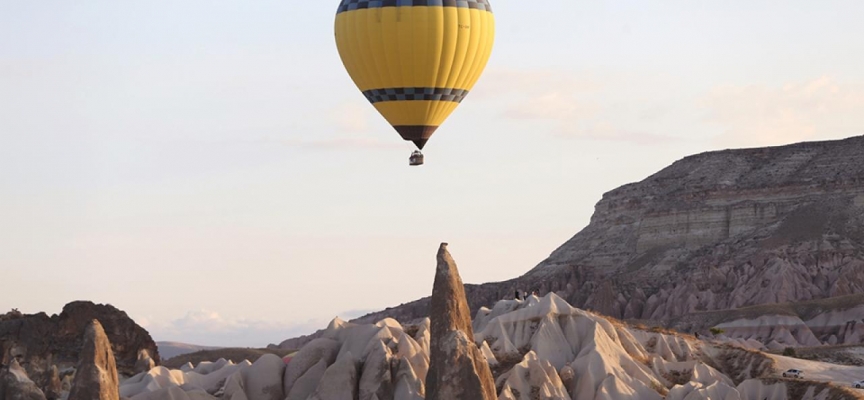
x,y
415,60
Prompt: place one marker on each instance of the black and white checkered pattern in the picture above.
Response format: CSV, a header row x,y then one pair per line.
x,y
351,5
415,93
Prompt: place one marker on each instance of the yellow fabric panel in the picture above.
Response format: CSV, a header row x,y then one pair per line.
x,y
414,112
351,56
483,49
414,46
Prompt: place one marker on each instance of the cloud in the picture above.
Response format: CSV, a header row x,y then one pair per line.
x,y
554,105
351,314
209,328
537,81
341,143
205,327
581,105
758,115
351,129
605,132
353,116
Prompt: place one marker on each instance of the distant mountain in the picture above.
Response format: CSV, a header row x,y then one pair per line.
x,y
714,231
230,354
173,349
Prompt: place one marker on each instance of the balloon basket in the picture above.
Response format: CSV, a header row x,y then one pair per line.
x,y
416,159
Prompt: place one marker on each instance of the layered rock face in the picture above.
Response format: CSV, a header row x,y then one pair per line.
x,y
714,231
724,230
832,321
43,344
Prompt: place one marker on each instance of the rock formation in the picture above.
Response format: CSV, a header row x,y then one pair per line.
x,y
714,231
542,348
350,362
15,385
41,342
340,381
263,380
832,321
96,375
145,362
457,369
54,388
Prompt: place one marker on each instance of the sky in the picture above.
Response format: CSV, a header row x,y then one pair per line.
x,y
209,167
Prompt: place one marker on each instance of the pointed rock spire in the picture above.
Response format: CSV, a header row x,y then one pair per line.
x,y
96,376
457,368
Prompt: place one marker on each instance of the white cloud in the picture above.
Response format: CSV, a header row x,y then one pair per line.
x,y
553,105
758,115
533,82
351,314
344,142
354,116
607,132
209,328
581,104
205,327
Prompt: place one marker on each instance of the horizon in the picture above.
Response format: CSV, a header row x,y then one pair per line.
x,y
210,168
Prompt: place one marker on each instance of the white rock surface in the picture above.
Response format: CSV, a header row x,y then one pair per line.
x,y
531,376
556,352
340,380
263,380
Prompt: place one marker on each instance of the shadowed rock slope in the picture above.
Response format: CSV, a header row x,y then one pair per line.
x,y
539,348
714,231
457,368
44,344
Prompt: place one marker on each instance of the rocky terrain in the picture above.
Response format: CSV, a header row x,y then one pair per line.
x,y
777,326
714,231
750,253
47,347
169,350
537,348
235,354
94,376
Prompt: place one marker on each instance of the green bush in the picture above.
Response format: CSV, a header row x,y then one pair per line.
x,y
789,352
716,331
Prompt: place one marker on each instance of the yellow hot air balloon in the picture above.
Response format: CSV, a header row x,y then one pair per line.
x,y
415,60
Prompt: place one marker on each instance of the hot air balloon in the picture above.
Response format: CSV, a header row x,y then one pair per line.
x,y
415,60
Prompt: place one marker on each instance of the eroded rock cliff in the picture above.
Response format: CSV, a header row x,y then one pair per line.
x,y
713,231
42,343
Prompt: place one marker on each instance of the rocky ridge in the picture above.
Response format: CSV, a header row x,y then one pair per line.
x,y
714,231
43,345
832,321
536,348
539,348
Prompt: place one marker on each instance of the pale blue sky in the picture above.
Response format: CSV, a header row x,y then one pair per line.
x,y
210,168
